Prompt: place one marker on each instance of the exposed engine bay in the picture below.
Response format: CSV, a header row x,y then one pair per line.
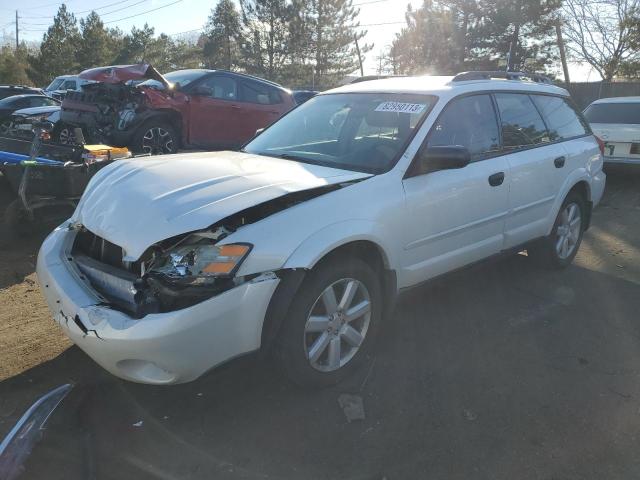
x,y
180,271
111,107
102,109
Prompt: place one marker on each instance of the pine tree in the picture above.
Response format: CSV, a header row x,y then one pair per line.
x,y
266,46
334,29
137,46
57,55
98,45
223,35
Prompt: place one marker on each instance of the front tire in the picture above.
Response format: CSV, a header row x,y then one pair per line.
x,y
332,323
156,137
561,246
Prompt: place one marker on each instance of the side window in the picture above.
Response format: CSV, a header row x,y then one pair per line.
x,y
224,88
38,101
561,118
522,125
469,122
254,92
68,85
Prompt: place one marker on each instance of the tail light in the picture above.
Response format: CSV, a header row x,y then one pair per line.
x,y
600,144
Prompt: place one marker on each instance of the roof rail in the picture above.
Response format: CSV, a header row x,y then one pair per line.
x,y
488,75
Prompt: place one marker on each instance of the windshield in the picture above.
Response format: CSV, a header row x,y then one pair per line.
x,y
183,77
613,113
9,101
354,131
55,85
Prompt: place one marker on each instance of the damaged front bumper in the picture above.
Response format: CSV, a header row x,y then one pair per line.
x,y
159,348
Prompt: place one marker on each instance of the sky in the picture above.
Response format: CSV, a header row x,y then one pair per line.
x,y
381,18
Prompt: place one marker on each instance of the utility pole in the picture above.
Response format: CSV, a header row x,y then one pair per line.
x,y
17,39
355,37
563,57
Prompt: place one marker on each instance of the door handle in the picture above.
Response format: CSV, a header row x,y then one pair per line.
x,y
236,107
559,162
496,179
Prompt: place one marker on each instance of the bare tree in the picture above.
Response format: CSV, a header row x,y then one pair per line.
x,y
601,33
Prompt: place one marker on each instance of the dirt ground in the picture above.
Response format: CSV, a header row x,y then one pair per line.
x,y
28,336
500,371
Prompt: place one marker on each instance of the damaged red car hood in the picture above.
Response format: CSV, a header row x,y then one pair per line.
x,y
124,73
137,203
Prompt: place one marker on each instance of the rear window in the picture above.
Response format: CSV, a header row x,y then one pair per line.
x,y
522,125
562,120
613,113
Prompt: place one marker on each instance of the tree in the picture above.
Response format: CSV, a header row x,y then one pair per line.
x,y
98,45
266,46
604,34
57,55
334,30
137,46
223,35
429,42
448,36
13,65
521,32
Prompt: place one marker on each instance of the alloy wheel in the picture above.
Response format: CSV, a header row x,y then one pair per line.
x,y
568,230
66,137
157,141
337,324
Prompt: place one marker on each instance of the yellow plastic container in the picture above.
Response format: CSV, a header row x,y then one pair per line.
x,y
99,153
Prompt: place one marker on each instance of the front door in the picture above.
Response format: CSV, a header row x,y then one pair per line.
x,y
215,113
456,217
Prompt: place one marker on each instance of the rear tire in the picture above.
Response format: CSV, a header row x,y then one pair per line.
x,y
155,137
560,247
325,339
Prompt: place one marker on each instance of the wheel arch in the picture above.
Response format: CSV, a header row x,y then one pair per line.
x,y
162,114
578,182
292,279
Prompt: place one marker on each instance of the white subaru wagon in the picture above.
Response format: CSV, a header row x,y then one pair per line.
x,y
300,243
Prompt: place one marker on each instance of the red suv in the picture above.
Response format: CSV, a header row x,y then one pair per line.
x,y
137,107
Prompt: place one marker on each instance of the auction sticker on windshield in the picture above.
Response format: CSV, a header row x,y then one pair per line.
x,y
399,107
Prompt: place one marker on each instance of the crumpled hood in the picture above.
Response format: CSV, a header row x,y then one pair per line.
x,y
136,203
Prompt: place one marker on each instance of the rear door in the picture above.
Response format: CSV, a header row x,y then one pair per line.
x,y
567,126
261,105
457,216
531,160
215,118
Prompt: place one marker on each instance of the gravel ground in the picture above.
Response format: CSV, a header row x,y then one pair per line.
x,y
500,371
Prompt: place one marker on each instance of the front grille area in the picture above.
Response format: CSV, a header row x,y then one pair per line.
x,y
99,249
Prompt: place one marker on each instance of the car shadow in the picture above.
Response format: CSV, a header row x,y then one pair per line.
x,y
503,370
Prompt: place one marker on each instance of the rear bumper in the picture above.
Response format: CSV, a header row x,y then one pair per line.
x,y
163,348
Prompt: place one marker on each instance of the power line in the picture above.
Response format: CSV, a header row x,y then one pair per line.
x,y
80,12
123,8
142,13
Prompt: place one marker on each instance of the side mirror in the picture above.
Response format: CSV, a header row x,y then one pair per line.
x,y
203,90
433,159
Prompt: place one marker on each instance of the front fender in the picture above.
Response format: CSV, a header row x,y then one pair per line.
x,y
323,241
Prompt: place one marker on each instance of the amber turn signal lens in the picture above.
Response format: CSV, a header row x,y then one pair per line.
x,y
233,250
221,267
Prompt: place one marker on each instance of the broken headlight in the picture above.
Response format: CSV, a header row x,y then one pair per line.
x,y
201,263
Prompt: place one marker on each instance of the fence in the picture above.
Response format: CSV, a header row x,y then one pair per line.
x,y
585,93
